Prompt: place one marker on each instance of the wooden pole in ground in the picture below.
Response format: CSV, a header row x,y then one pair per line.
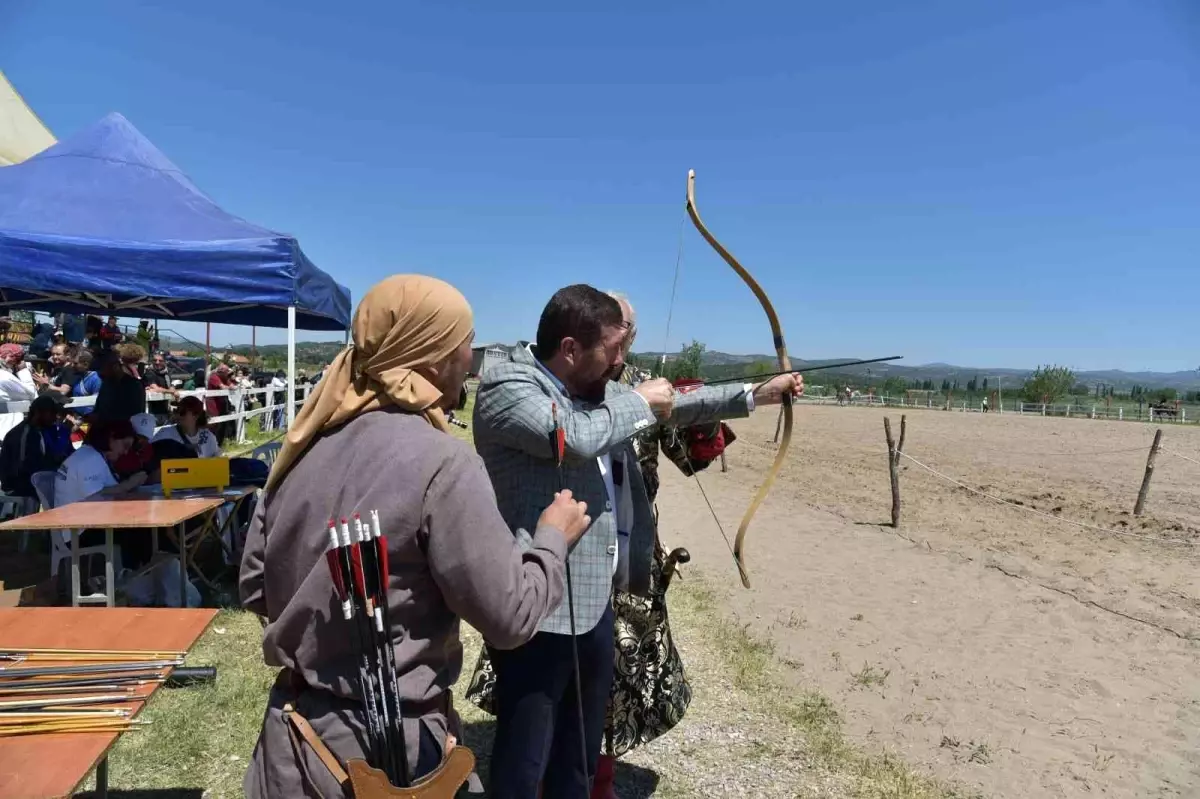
x,y
894,450
1145,489
723,467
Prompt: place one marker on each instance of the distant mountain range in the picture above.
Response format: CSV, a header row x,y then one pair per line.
x,y
724,363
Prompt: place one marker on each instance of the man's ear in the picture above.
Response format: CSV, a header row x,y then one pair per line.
x,y
568,348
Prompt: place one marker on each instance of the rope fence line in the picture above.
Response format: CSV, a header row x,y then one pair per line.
x,y
1003,501
1178,455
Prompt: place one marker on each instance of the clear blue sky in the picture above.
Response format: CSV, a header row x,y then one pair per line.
x,y
992,184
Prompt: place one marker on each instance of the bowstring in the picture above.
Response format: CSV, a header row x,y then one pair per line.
x,y
674,286
682,446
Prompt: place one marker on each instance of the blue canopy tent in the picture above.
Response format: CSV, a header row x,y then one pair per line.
x,y
104,223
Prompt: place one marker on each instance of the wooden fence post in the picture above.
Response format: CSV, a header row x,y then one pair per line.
x,y
1145,489
894,450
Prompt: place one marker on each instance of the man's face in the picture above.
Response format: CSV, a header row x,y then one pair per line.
x,y
58,355
592,367
14,359
160,363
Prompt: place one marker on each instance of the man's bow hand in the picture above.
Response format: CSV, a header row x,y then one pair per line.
x,y
660,395
772,391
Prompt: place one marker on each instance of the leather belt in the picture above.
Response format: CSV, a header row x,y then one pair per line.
x,y
411,709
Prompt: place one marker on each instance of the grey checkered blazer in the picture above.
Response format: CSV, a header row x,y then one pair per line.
x,y
513,427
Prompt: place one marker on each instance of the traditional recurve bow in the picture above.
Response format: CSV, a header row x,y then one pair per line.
x,y
784,366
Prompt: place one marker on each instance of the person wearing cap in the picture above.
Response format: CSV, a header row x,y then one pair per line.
x,y
140,457
191,429
40,443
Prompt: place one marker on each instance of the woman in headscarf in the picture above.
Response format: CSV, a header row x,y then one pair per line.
x,y
373,437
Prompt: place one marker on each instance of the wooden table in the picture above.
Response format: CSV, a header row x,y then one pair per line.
x,y
122,512
35,766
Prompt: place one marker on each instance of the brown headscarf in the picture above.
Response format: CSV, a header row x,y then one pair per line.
x,y
403,323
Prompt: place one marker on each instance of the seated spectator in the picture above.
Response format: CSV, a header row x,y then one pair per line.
x,y
122,395
62,372
157,379
89,471
87,383
39,444
140,457
191,429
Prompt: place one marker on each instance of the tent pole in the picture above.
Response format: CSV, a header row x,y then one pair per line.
x,y
254,347
207,352
291,396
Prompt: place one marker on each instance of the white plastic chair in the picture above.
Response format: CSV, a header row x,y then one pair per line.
x,y
60,540
12,507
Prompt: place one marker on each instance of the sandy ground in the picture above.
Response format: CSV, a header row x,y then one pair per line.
x,y
1014,654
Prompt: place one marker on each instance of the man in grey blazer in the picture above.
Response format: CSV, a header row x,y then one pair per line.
x,y
566,380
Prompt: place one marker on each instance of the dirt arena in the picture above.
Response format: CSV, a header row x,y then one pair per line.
x,y
1011,653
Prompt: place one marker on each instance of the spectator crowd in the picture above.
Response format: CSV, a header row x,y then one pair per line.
x,y
133,384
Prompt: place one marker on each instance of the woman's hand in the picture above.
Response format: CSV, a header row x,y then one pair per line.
x,y
567,515
133,481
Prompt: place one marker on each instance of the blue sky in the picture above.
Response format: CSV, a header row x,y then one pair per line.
x,y
992,184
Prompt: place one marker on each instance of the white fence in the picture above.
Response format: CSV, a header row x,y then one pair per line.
x,y
1071,411
245,404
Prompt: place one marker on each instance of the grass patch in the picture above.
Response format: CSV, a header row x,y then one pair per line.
x,y
255,437
201,737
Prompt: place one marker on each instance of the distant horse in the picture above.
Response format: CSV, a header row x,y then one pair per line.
x,y
1161,410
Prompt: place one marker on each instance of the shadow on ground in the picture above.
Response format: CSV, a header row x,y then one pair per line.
x,y
632,782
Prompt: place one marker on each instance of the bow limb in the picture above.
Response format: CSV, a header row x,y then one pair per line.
x,y
785,365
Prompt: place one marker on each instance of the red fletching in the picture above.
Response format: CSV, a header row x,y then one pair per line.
x,y
383,566
561,436
335,573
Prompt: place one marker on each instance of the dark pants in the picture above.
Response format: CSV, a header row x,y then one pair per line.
x,y
537,717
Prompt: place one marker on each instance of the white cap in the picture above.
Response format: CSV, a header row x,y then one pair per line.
x,y
144,424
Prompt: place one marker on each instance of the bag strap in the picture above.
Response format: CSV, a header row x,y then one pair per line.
x,y
300,725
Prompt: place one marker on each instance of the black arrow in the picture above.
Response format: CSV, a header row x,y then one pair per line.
x,y
752,378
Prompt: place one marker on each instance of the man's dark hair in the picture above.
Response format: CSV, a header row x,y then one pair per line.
x,y
101,434
579,312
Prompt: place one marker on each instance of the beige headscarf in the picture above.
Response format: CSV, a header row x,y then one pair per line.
x,y
403,323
